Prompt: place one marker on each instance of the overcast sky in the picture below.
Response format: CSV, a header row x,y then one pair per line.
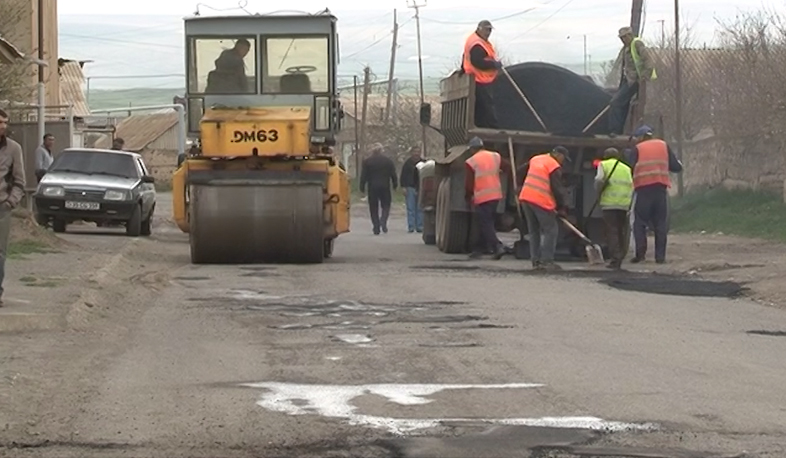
x,y
526,30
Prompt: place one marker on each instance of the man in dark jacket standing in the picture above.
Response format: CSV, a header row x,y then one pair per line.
x,y
377,174
410,184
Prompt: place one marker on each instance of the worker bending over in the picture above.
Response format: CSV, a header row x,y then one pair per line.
x,y
483,189
543,197
614,183
638,67
651,160
480,62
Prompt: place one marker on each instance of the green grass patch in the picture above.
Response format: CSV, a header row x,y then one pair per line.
x,y
743,213
32,281
21,248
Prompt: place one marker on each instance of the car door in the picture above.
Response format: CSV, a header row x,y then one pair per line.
x,y
146,190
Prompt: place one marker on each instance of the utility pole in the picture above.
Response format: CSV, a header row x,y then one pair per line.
x,y
662,33
586,68
392,70
678,92
363,119
41,85
417,7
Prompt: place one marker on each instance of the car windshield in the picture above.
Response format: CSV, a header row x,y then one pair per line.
x,y
96,163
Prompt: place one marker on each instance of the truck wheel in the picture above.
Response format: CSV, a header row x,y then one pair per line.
x,y
134,224
429,228
453,227
59,225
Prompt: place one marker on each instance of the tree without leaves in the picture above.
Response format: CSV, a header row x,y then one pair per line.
x,y
15,78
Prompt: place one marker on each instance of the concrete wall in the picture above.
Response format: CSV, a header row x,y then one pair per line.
x,y
26,133
756,163
161,164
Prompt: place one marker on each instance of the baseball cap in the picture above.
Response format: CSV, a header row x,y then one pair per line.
x,y
642,131
485,24
476,142
625,31
563,151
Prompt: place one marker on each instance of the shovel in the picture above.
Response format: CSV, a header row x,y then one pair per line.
x,y
594,253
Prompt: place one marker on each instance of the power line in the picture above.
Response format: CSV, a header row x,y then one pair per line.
x,y
110,40
389,34
543,21
501,18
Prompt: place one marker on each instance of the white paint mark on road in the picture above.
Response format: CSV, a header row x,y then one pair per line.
x,y
333,358
354,338
334,401
244,294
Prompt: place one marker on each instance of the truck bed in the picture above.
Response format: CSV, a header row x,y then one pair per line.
x,y
548,140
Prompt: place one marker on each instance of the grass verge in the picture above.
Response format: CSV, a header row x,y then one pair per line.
x,y
743,213
18,249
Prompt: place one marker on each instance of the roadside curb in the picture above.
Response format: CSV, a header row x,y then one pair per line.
x,y
75,313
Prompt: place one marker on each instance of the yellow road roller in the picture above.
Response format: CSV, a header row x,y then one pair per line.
x,y
261,183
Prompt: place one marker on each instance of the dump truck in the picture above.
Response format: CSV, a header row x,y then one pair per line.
x,y
261,183
566,103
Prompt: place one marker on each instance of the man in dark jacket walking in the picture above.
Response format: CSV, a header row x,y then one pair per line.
x,y
410,184
377,175
12,188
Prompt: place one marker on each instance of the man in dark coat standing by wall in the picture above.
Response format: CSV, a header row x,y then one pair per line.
x,y
410,184
378,174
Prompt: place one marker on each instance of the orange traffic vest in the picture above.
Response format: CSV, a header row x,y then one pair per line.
x,y
537,185
652,166
481,76
488,186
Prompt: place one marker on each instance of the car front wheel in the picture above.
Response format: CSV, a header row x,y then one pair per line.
x,y
134,224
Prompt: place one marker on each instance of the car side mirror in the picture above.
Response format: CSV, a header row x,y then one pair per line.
x,y
425,114
148,179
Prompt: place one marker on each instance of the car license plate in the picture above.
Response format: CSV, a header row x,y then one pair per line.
x,y
72,205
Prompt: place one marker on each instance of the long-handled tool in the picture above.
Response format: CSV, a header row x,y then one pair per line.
x,y
520,247
594,253
595,119
525,99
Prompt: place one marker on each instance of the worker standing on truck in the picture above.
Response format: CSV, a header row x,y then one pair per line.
x,y
378,174
480,62
651,160
483,189
638,67
614,183
543,197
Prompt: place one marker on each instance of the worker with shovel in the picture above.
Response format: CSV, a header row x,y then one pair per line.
x,y
543,197
483,188
614,182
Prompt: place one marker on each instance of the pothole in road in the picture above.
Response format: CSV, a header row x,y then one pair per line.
x,y
768,333
677,287
259,272
628,281
192,278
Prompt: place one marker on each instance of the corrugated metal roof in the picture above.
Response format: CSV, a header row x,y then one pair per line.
x,y
9,52
138,131
72,81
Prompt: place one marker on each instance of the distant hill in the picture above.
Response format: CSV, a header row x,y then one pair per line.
x,y
138,97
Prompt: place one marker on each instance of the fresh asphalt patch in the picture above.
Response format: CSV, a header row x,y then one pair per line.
x,y
652,283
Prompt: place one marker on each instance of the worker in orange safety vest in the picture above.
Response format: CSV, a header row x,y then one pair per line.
x,y
543,197
483,188
651,160
480,62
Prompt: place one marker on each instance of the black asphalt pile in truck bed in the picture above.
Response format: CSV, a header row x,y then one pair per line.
x,y
565,101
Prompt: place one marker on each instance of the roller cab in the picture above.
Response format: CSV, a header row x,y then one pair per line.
x,y
264,185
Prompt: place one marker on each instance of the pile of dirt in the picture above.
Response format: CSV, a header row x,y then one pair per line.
x,y
24,229
566,101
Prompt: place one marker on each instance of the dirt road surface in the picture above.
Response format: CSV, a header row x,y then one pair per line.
x,y
390,349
